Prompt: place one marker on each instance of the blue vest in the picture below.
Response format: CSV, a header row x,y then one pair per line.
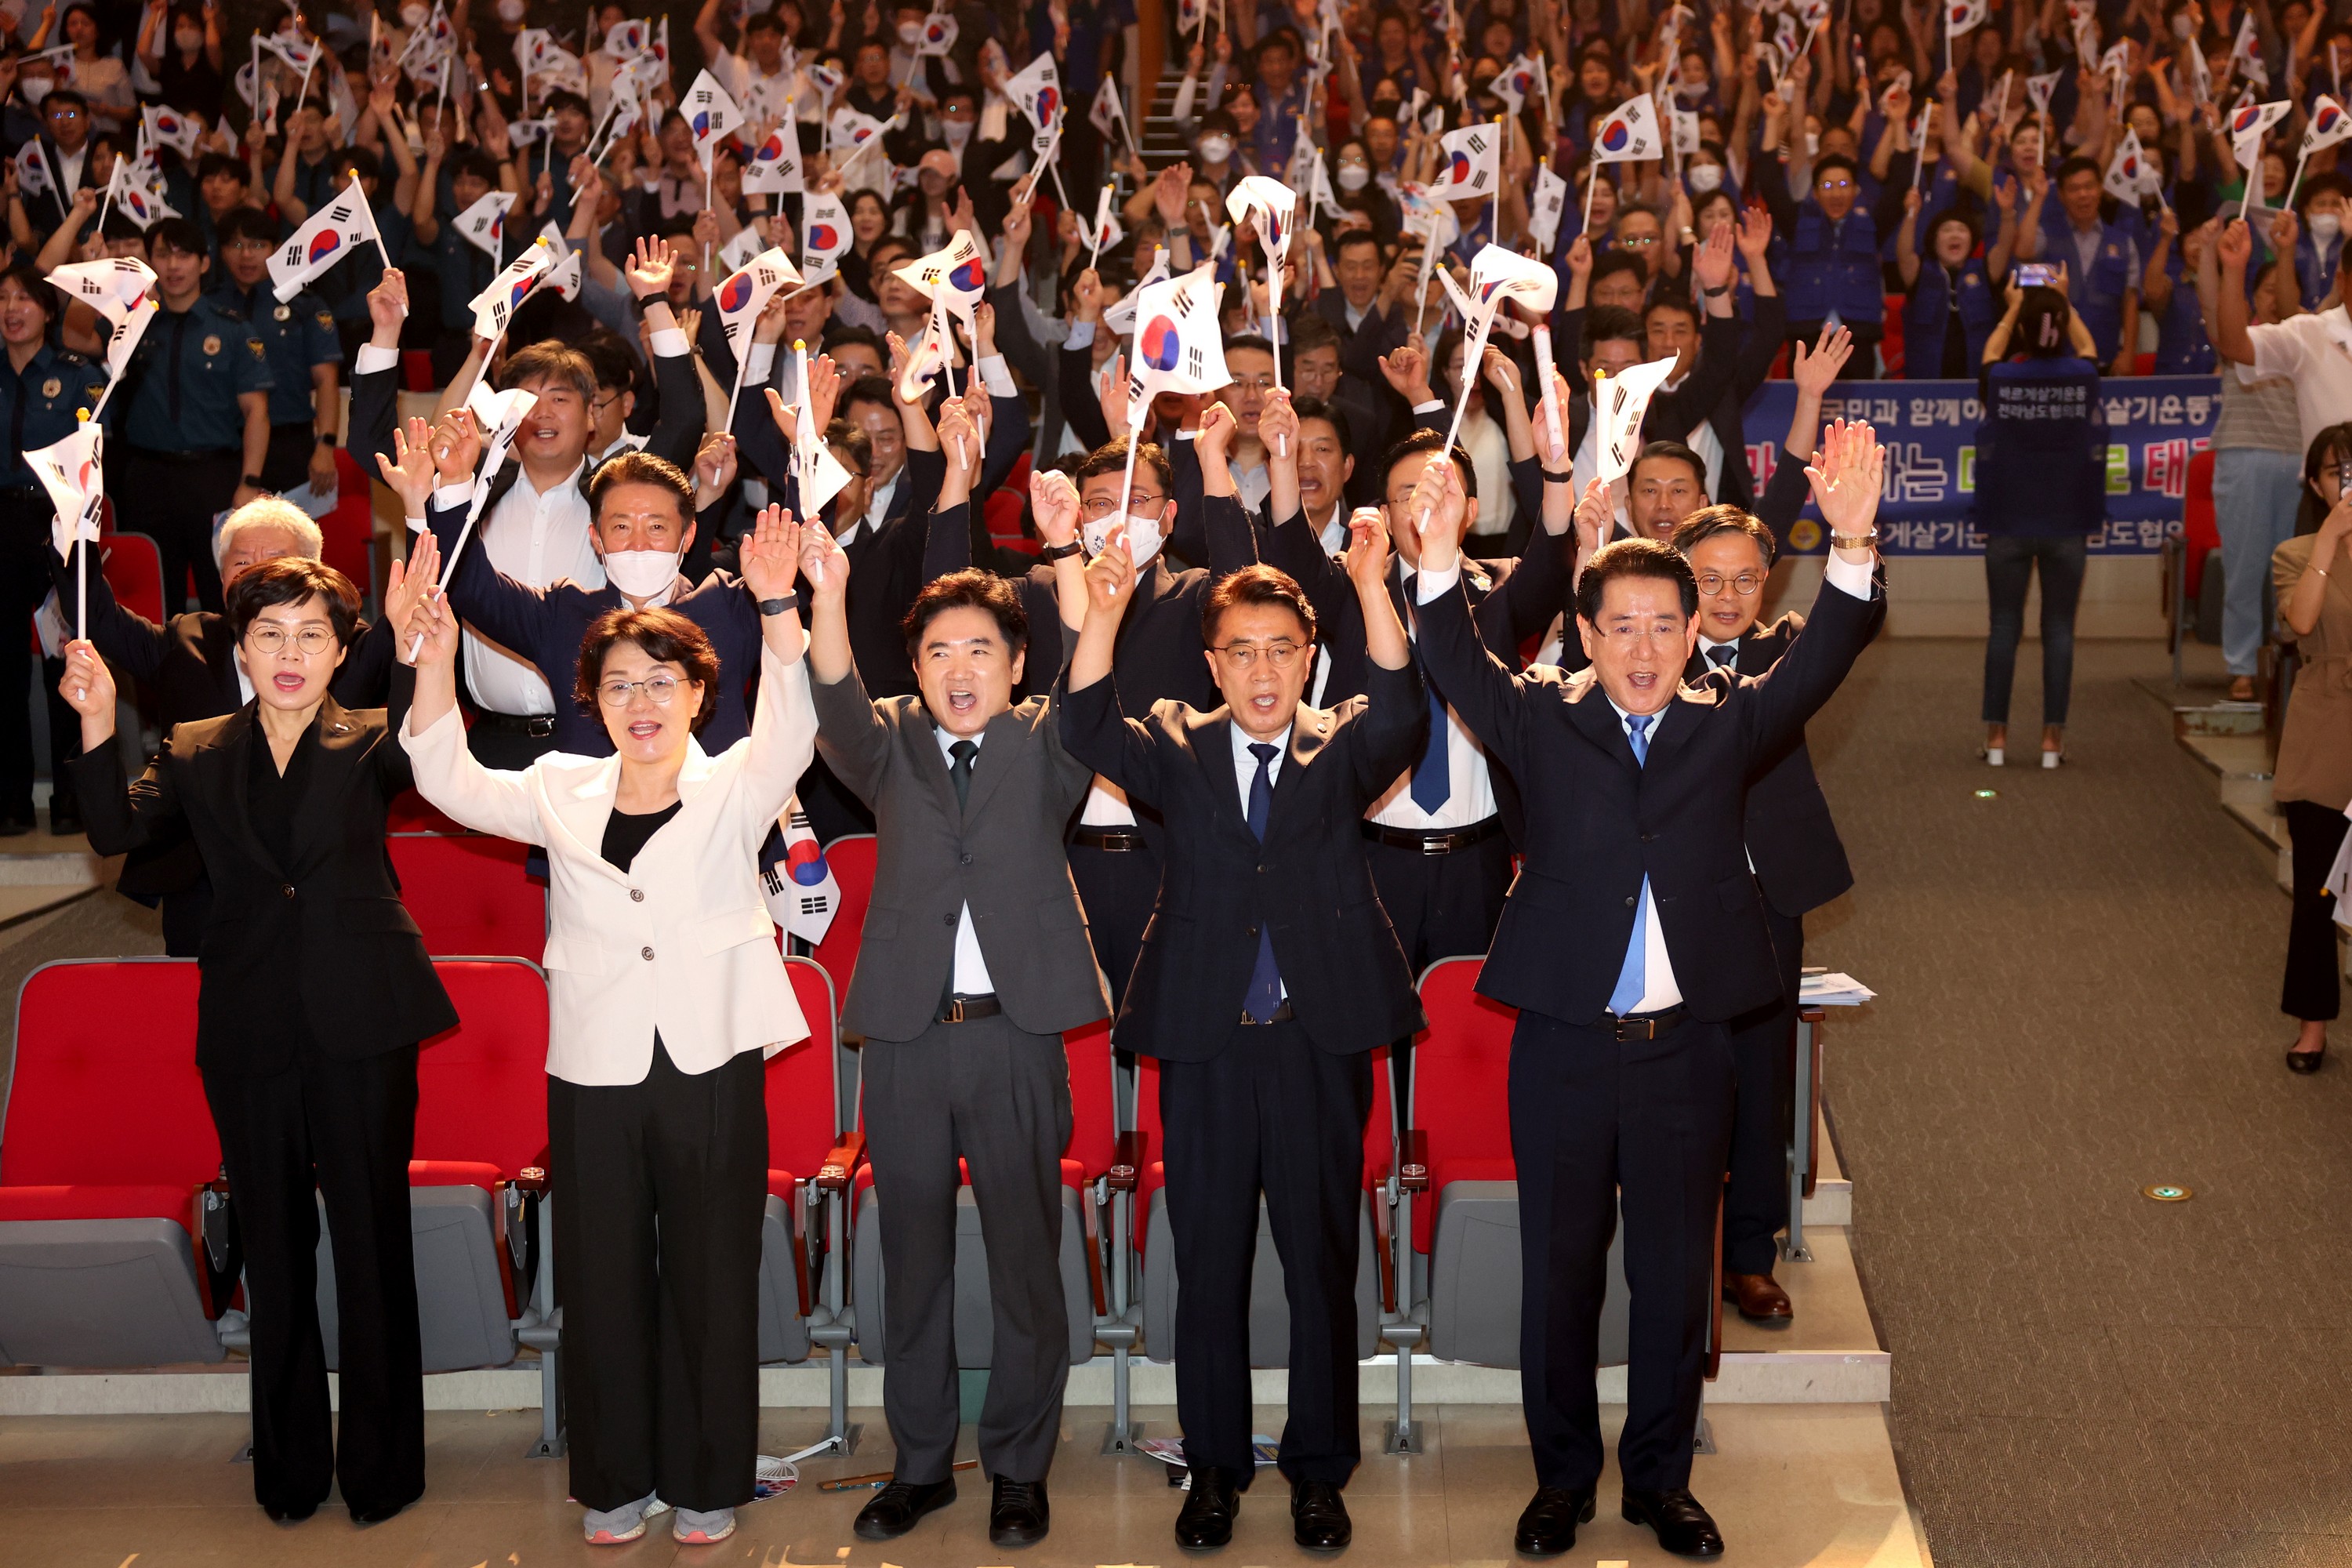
x,y
1834,267
2098,294
2181,347
2041,449
1924,318
2314,273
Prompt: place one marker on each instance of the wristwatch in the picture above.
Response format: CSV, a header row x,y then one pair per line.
x,y
253,482
1057,551
1717,292
791,600
326,438
1855,540
1551,477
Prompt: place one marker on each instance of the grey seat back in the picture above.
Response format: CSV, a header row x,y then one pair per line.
x,y
974,1322
100,1292
1475,1279
1269,1305
461,1302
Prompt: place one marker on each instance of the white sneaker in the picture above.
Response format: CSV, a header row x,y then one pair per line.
x,y
692,1528
1992,756
2052,759
619,1526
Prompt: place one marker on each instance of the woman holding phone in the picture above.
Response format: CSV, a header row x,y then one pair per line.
x,y
2041,450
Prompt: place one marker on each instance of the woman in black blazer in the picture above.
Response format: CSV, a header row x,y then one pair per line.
x,y
316,992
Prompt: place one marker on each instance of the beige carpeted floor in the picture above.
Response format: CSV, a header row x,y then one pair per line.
x,y
2080,982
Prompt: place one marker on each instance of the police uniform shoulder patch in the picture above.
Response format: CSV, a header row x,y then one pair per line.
x,y
213,343
284,313
66,356
227,312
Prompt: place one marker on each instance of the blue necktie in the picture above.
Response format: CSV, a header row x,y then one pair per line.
x,y
1632,981
1265,994
1432,775
1722,654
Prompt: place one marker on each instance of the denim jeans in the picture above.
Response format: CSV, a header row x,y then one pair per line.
x,y
2009,570
2255,491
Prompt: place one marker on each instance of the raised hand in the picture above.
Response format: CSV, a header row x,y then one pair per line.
x,y
1216,438
1814,373
1712,263
1113,396
1847,489
1580,256
1368,546
388,302
2236,246
1595,516
1407,371
412,582
1277,425
1054,503
770,555
411,478
1500,371
959,440
1110,576
714,468
458,445
649,270
89,686
1438,507
824,564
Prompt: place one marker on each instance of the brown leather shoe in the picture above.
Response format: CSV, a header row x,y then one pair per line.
x,y
1760,1300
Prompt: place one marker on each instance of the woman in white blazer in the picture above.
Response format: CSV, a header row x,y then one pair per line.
x,y
668,994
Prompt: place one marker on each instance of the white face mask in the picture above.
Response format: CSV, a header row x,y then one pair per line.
x,y
2325,226
34,88
1143,537
2180,26
910,33
509,10
188,41
1702,178
955,134
1813,143
1213,149
413,16
1354,176
641,573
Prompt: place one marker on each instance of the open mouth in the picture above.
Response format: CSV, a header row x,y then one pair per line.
x,y
962,703
1263,704
1641,679
289,682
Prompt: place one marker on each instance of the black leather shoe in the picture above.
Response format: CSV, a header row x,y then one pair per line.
x,y
1684,1528
1018,1514
64,824
379,1514
15,826
289,1515
900,1507
1547,1527
2306,1061
1206,1522
1318,1516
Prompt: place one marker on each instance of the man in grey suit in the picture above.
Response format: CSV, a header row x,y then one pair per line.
x,y
975,958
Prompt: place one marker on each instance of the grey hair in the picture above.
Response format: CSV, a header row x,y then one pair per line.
x,y
271,512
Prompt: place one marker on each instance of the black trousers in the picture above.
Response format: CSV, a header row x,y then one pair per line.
x,y
1000,1098
2314,988
658,1189
23,584
1596,1122
1118,888
287,466
173,500
505,748
1442,906
1273,1112
1763,1062
343,1131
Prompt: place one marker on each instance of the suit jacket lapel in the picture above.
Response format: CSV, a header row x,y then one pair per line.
x,y
1003,732
584,806
232,750
1310,731
922,737
1589,710
1213,746
334,733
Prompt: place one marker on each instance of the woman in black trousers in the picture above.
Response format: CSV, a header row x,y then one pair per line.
x,y
316,991
2313,778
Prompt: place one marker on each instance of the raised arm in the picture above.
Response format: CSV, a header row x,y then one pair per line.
x,y
1491,700
1094,730
433,735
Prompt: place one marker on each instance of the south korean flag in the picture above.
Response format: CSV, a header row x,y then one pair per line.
x,y
1470,164
1177,346
484,225
347,223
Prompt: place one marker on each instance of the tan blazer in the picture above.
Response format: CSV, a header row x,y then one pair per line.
x,y
681,942
2314,755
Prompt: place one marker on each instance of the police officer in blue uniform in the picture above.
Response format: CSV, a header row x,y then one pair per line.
x,y
1825,251
304,350
41,391
192,421
2102,261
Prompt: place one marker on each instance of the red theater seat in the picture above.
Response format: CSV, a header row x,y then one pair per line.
x,y
852,859
468,894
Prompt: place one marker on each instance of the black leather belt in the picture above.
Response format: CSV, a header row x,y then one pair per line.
x,y
1115,839
1282,1015
964,1009
1435,840
538,726
1644,1025
205,455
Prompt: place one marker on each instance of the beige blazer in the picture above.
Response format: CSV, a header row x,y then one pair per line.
x,y
681,942
2314,755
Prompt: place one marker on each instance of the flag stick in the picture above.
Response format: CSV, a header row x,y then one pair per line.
x,y
1503,157
1550,395
2288,204
2254,174
1472,352
1593,178
107,205
1094,240
1127,478
1919,143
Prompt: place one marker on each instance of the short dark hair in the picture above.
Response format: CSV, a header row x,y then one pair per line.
x,y
66,95
2077,164
1426,440
1610,323
1110,458
29,278
640,469
836,333
1610,262
1248,343
292,580
869,389
665,636
613,362
1829,160
854,440
1259,585
211,163
2321,184
1349,237
1709,520
1633,558
550,359
761,22
361,161
973,589
1669,299
1310,333
178,234
1672,452
1332,413
475,162
245,223
565,98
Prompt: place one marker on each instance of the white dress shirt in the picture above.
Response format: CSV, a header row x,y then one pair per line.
x,y
1246,774
1470,793
536,537
971,967
1659,988
2317,352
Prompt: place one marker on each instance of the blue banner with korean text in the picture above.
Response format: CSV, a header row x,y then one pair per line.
x,y
2155,424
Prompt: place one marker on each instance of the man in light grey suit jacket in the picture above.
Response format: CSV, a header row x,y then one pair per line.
x,y
975,958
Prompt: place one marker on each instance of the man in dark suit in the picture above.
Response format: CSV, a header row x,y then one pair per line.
x,y
1632,939
1800,863
973,961
1268,974
189,664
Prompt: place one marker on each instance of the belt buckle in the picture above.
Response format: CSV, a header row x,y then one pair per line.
x,y
539,727
954,1013
1625,1027
1437,843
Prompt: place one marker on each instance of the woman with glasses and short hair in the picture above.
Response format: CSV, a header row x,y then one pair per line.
x,y
666,994
2312,776
315,994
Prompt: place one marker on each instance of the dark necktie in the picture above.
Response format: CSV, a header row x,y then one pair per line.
x,y
1265,994
1723,656
963,751
1433,772
1633,980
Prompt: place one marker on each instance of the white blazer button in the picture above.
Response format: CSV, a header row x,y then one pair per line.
x,y
646,953
636,895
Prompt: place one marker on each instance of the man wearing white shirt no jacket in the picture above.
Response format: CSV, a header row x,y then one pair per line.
x,y
1632,935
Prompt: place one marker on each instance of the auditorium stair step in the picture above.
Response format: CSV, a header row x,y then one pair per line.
x,y
40,870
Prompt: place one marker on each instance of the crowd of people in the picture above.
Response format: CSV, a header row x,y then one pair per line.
x,y
1224,721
